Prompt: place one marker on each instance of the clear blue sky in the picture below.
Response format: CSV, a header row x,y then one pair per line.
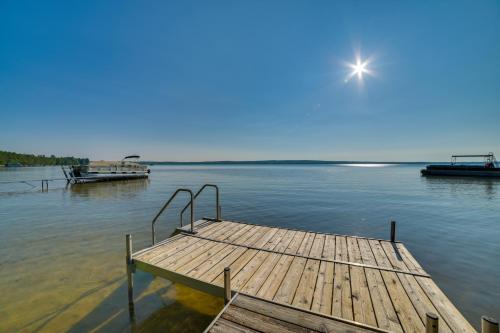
x,y
245,80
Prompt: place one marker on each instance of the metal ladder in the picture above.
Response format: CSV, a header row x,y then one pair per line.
x,y
190,204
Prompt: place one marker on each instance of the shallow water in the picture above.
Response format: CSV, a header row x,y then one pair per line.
x,y
62,252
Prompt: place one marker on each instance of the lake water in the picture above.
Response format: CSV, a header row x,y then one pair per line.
x,y
62,252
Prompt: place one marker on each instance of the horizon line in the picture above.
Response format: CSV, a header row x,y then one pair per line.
x,y
285,162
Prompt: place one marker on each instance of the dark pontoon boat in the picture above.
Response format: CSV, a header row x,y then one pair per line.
x,y
488,169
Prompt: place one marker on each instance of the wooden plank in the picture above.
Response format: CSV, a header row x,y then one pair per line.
x,y
446,309
295,243
408,317
180,278
176,260
242,277
384,310
158,254
329,248
353,251
379,254
220,227
240,234
260,276
286,291
236,266
218,268
227,232
342,300
394,256
406,307
258,233
304,318
267,235
366,252
185,254
198,271
285,241
317,247
322,300
165,249
240,239
341,248
306,245
420,300
273,282
275,240
211,228
198,257
263,272
409,260
305,290
261,323
361,300
225,326
244,234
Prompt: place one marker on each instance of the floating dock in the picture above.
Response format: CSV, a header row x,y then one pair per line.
x,y
284,280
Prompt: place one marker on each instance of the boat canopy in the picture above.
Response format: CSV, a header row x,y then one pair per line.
x,y
131,156
488,158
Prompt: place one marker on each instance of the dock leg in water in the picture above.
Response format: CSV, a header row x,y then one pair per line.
x,y
489,325
227,285
432,323
130,277
393,231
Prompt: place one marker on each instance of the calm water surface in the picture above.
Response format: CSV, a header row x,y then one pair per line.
x,y
62,252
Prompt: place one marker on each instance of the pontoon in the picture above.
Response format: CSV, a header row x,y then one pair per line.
x,y
127,168
489,168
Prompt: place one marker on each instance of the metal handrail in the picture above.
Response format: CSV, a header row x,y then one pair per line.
x,y
191,202
217,206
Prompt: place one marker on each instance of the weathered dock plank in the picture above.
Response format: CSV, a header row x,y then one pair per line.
x,y
246,314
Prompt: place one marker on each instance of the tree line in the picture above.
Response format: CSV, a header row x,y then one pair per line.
x,y
8,158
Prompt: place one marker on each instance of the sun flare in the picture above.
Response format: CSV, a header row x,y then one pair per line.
x,y
358,69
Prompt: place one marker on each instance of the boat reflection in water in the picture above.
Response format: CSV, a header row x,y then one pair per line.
x,y
463,185
107,190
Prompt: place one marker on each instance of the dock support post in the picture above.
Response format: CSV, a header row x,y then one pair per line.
x,y
130,277
227,285
432,323
489,325
393,231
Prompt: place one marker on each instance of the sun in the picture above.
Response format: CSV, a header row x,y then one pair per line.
x,y
358,69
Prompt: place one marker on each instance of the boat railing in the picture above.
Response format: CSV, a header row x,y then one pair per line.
x,y
172,197
488,158
217,205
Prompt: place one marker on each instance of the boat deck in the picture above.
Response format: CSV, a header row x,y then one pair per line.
x,y
369,281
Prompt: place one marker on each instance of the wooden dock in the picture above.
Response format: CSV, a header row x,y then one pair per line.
x,y
346,279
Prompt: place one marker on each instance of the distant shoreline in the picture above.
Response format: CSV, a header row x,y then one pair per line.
x,y
277,162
